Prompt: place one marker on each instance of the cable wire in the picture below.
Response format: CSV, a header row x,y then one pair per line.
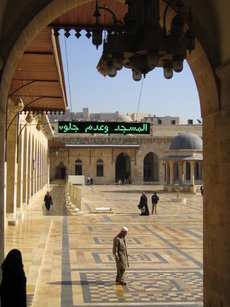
x,y
139,100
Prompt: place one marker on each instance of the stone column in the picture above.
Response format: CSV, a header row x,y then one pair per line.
x,y
182,172
39,166
180,166
25,166
171,172
200,171
29,173
192,173
36,165
33,165
44,165
48,165
11,192
2,178
167,172
216,171
20,183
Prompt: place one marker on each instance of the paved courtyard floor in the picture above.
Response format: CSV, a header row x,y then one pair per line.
x,y
68,258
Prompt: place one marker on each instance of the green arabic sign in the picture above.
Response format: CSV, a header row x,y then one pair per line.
x,y
103,127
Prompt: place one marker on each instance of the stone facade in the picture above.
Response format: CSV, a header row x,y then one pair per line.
x,y
116,116
91,150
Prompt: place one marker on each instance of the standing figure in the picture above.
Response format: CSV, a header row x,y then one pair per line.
x,y
13,285
121,255
143,204
155,199
48,200
201,190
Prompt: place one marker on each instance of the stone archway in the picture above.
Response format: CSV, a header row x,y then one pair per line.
x,y
151,166
123,168
214,96
60,171
198,60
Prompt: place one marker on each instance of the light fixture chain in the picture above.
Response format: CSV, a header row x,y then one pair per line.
x,y
140,95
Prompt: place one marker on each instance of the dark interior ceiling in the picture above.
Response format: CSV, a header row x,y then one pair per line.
x,y
83,15
39,80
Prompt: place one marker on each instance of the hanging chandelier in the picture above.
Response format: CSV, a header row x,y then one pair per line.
x,y
139,42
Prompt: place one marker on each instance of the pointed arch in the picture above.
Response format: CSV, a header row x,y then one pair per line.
x,y
61,171
123,168
151,167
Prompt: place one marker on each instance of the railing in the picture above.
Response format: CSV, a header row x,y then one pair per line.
x,y
74,194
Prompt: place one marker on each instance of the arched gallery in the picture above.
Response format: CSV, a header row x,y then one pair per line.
x,y
27,86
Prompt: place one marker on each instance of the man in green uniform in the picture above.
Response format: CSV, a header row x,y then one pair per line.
x,y
121,255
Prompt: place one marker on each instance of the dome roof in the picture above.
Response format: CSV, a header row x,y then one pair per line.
x,y
125,118
186,141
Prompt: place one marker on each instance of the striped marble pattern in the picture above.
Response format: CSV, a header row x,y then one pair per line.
x,y
68,258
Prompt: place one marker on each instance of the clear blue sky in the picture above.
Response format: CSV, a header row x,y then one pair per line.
x,y
175,97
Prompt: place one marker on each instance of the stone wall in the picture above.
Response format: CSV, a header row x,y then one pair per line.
x,y
90,148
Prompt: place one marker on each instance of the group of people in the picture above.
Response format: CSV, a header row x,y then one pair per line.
x,y
14,279
143,204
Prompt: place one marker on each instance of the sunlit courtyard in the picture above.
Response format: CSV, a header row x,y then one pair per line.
x,y
68,258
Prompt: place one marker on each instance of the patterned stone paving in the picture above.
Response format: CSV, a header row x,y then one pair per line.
x,y
143,287
68,259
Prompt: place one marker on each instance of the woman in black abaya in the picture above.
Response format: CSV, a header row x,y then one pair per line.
x,y
13,285
143,204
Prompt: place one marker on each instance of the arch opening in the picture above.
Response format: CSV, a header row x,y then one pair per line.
x,y
203,73
60,171
151,167
78,167
123,168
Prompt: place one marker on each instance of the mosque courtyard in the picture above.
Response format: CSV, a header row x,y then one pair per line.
x,y
68,257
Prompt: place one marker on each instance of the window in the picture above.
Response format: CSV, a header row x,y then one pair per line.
x,y
159,121
78,167
173,122
100,168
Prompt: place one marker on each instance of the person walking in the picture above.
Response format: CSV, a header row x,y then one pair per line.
x,y
143,204
121,255
48,200
13,285
155,199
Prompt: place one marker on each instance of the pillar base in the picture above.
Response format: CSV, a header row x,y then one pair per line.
x,y
14,218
